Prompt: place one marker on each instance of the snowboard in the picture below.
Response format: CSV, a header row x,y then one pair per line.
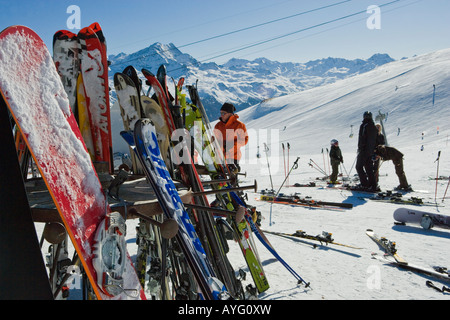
x,y
43,115
94,68
426,219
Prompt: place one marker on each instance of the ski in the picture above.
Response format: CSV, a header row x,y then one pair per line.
x,y
388,246
130,108
303,185
47,123
325,237
396,198
65,55
261,237
306,201
94,69
386,258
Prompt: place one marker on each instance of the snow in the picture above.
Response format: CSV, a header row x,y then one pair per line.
x,y
308,121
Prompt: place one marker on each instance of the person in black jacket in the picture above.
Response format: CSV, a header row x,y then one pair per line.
x,y
366,147
336,159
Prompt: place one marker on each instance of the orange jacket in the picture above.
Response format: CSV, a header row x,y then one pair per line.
x,y
233,136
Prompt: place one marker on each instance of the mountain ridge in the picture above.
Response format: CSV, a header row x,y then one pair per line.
x,y
240,81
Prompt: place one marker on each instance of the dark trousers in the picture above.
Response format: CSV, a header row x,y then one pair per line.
x,y
398,163
364,168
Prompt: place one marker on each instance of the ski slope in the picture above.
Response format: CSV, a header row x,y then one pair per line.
x,y
308,121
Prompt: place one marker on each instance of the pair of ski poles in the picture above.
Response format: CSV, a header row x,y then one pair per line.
x,y
437,180
294,166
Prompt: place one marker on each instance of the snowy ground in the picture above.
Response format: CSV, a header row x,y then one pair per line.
x,y
337,272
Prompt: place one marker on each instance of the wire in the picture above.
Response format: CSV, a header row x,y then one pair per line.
x,y
241,30
262,24
297,31
322,31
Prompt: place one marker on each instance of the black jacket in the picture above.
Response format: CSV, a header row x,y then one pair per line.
x,y
367,141
336,155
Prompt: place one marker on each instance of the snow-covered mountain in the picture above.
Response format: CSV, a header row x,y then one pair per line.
x,y
240,81
413,93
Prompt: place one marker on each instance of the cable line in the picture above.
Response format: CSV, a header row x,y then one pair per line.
x,y
246,28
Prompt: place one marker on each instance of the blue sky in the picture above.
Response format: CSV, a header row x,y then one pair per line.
x,y
408,27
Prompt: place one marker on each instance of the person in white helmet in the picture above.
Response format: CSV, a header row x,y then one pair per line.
x,y
335,159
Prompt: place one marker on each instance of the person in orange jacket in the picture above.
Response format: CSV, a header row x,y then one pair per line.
x,y
232,134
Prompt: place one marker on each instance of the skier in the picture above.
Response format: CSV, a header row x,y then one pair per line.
x,y
232,134
336,160
380,141
366,146
390,153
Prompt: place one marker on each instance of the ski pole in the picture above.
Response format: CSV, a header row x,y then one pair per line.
x,y
446,189
328,160
437,175
317,167
226,190
324,166
284,160
348,176
353,164
288,151
169,228
294,166
266,150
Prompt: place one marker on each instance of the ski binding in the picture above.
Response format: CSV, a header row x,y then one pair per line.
x,y
110,254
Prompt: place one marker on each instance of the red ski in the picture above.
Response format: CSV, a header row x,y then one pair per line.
x,y
94,68
35,96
